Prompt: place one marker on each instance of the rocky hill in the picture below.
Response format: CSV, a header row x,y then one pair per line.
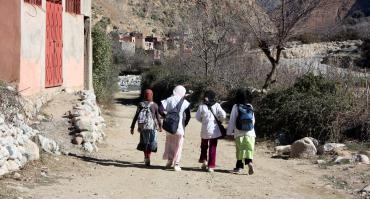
x,y
160,16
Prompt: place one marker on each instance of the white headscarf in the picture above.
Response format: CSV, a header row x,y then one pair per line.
x,y
179,91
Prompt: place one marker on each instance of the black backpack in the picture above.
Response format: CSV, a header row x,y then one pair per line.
x,y
244,121
172,119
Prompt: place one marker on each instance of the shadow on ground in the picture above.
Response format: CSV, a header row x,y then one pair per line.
x,y
127,101
126,164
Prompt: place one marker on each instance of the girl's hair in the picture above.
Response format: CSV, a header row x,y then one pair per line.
x,y
243,96
211,95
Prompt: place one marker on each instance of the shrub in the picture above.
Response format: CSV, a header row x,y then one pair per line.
x,y
105,74
366,53
310,108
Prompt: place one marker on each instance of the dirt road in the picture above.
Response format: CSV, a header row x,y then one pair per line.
x,y
117,171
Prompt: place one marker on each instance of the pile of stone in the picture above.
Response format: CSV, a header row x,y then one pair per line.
x,y
310,147
130,82
87,122
16,144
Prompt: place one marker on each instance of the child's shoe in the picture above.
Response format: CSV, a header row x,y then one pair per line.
x,y
147,161
211,170
251,169
204,165
169,164
237,170
177,167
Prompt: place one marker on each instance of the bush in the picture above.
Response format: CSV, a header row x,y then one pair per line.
x,y
105,74
366,53
310,108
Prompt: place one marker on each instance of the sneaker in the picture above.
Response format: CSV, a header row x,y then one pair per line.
x,y
177,167
237,170
147,161
169,164
210,170
251,169
204,165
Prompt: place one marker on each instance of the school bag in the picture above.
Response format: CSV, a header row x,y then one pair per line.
x,y
244,121
145,119
172,119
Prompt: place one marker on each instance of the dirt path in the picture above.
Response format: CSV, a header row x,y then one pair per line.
x,y
117,171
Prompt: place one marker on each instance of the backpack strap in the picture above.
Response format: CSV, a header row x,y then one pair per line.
x,y
178,106
210,109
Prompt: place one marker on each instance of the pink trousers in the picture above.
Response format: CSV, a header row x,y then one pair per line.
x,y
173,148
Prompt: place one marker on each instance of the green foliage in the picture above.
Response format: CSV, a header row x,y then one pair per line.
x,y
309,108
105,74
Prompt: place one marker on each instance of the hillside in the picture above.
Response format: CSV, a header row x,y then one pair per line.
x,y
160,16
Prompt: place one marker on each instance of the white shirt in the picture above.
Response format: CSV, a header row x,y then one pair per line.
x,y
170,103
210,128
231,129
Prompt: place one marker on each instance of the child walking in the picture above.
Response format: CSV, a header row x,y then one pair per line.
x,y
241,125
175,140
209,113
148,118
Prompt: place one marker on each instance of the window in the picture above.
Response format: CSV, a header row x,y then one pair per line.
x,y
34,2
73,6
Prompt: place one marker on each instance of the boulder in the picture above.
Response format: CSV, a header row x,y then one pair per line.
x,y
303,148
13,152
85,124
32,151
77,140
342,160
48,145
283,150
87,146
330,147
3,170
363,159
366,189
4,155
12,165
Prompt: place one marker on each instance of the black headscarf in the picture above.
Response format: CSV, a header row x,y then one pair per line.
x,y
243,96
209,98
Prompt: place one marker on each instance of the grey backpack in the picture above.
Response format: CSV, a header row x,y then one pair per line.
x,y
145,119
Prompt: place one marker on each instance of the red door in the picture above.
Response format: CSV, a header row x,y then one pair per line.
x,y
54,43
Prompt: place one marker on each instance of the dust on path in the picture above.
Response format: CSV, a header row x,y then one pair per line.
x,y
117,171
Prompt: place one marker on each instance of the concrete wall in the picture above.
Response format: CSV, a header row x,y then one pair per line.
x,y
32,64
73,51
10,33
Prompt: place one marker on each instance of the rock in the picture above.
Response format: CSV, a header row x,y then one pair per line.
x,y
77,140
85,124
4,155
87,146
48,145
283,150
32,151
320,162
363,159
366,189
2,119
282,139
17,176
315,142
328,147
13,152
303,148
12,165
3,170
342,160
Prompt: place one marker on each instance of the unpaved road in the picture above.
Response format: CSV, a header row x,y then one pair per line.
x,y
117,171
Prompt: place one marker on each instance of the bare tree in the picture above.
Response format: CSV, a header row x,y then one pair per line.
x,y
212,33
272,29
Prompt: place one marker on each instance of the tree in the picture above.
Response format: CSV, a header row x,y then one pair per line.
x,y
211,33
272,29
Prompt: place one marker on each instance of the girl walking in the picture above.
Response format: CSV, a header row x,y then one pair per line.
x,y
209,114
174,140
148,118
241,125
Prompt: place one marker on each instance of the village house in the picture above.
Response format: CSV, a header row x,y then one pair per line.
x,y
45,44
128,44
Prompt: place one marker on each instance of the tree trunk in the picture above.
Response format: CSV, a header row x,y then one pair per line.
x,y
270,77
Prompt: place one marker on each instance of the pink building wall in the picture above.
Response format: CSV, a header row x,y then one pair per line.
x,y
10,31
23,46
